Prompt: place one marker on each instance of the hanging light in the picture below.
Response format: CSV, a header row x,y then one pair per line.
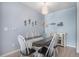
x,y
45,9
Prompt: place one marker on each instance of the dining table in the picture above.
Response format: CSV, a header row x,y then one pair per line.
x,y
43,42
39,41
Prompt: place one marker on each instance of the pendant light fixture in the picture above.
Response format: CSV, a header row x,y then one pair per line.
x,y
45,8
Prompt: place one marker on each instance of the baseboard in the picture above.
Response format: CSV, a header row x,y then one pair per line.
x,y
71,46
9,53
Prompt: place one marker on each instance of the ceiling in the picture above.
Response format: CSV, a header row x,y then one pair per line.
x,y
52,6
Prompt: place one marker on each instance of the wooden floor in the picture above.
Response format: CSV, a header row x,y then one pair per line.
x,y
67,52
62,52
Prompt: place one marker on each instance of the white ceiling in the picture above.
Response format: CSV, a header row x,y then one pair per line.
x,y
52,6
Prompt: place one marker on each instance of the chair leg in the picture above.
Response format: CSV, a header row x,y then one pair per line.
x,y
57,51
21,55
54,53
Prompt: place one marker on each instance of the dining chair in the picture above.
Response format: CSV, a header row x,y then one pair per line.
x,y
25,48
51,49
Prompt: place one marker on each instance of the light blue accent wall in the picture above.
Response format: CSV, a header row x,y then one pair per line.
x,y
13,16
69,19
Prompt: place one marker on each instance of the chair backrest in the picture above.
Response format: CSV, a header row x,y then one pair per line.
x,y
29,44
51,46
22,44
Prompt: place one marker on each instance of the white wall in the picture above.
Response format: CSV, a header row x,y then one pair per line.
x,y
13,16
78,27
68,17
0,27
